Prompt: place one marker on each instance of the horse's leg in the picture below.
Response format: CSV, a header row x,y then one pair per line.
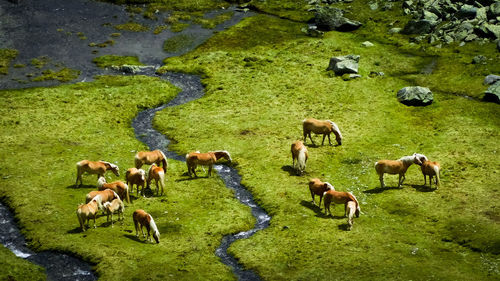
x,y
312,195
210,170
381,178
329,141
430,181
136,228
311,138
94,219
425,179
323,142
112,218
157,188
319,205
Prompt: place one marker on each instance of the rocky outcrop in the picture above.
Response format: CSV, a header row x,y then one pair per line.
x,y
344,65
415,96
493,93
131,69
329,18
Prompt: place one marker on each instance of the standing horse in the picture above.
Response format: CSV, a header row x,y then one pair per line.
x,y
141,218
339,197
323,127
317,187
106,195
431,168
137,177
194,159
158,175
299,152
87,211
119,187
114,206
149,157
394,167
94,167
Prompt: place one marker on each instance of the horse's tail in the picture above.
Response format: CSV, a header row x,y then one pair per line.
x,y
436,170
164,160
353,198
79,216
127,193
301,159
161,175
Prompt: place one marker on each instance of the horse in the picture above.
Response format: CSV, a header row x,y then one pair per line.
x,y
350,210
317,187
397,167
194,159
324,127
150,157
137,177
431,168
156,173
87,211
114,206
106,195
339,197
119,187
94,167
299,152
141,218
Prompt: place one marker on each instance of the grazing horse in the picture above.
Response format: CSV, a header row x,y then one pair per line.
x,y
317,187
87,211
144,219
324,127
351,210
194,159
94,167
156,173
150,157
114,206
119,187
137,177
106,195
339,197
299,152
430,168
397,167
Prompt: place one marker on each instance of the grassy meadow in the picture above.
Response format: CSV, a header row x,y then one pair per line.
x,y
262,77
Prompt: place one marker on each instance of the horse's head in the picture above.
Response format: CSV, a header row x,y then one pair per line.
x,y
419,158
101,181
336,131
329,186
156,236
114,168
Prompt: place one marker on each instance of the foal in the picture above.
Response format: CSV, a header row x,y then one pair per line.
x,y
323,127
141,218
119,187
87,211
137,177
158,175
94,167
397,167
113,206
317,187
299,152
431,168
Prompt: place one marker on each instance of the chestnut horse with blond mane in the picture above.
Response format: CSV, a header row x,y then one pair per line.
x,y
94,167
156,173
88,211
431,168
194,159
317,187
119,187
339,197
149,157
394,167
321,127
136,177
299,153
141,218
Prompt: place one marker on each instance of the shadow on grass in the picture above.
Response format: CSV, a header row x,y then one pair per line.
x,y
311,206
291,171
83,186
135,238
344,227
75,230
423,188
380,190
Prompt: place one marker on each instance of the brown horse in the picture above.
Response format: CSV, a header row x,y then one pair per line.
x,y
114,206
88,211
106,195
397,167
323,127
158,175
119,187
137,177
94,167
431,168
299,152
149,157
194,159
141,218
317,187
339,197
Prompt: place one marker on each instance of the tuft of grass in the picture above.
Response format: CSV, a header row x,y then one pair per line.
x,y
178,43
62,75
6,57
179,26
40,62
110,60
132,26
15,268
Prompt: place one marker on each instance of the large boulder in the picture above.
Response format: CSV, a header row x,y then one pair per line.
x,y
345,64
493,93
422,26
415,96
328,18
490,79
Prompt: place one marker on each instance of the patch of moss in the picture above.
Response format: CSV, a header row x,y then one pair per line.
x,y
160,29
63,75
116,34
40,62
132,26
110,60
211,23
6,57
177,43
179,26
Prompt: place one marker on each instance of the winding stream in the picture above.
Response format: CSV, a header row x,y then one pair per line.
x,y
143,125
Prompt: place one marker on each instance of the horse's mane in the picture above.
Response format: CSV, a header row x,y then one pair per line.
x,y
113,166
225,152
335,127
407,159
101,182
330,186
152,224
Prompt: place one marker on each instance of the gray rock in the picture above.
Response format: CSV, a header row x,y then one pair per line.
x,y
415,96
345,64
478,59
132,69
490,79
328,18
493,30
495,10
313,31
373,6
347,77
394,30
418,27
493,93
367,44
467,12
430,16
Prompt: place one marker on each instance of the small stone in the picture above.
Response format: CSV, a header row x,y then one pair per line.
x,y
367,44
490,79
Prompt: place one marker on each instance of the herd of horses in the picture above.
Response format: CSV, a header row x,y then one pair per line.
x,y
108,197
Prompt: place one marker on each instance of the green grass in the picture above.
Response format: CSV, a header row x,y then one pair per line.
x,y
63,75
14,268
6,57
261,85
53,128
132,26
178,43
110,60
